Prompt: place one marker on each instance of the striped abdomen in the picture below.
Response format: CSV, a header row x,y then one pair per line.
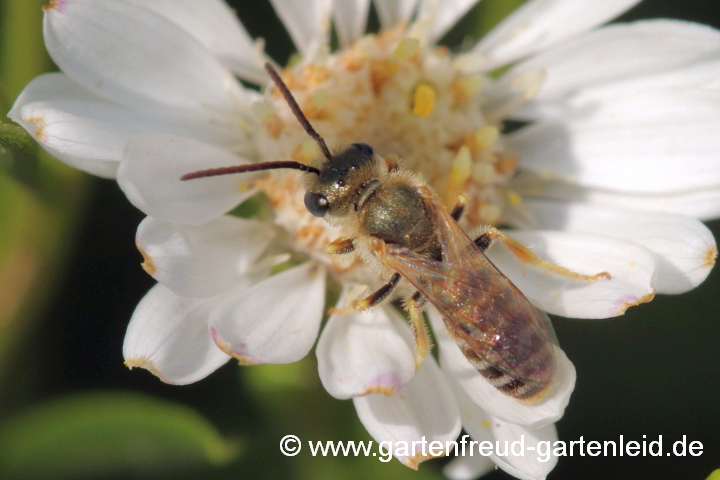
x,y
509,346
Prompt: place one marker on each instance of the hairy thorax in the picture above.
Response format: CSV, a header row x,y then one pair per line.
x,y
396,214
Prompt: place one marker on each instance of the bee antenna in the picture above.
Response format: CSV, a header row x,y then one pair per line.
x,y
285,91
251,167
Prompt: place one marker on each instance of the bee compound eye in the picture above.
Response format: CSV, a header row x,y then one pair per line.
x,y
317,204
364,148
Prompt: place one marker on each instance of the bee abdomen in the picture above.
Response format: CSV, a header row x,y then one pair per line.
x,y
543,367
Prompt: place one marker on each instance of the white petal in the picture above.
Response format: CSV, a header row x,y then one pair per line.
x,y
131,55
168,335
684,247
80,142
200,261
425,410
392,12
150,176
510,440
444,14
275,321
350,20
468,467
89,132
531,415
632,268
528,453
620,51
52,87
539,24
308,22
215,26
365,352
703,204
537,461
646,135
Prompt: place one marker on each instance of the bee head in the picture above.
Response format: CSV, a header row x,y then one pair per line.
x,y
334,190
333,186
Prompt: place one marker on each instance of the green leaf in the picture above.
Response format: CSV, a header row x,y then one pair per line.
x,y
15,138
254,207
93,434
491,12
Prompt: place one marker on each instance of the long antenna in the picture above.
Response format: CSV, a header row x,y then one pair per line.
x,y
252,167
285,91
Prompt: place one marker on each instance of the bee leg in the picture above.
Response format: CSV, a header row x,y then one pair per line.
x,y
457,212
488,235
340,246
483,241
415,306
371,300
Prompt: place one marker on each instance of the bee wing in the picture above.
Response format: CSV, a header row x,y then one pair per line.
x,y
460,251
488,317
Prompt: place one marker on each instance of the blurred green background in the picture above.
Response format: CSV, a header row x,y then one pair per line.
x,y
70,278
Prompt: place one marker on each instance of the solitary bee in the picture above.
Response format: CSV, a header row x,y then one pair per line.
x,y
397,223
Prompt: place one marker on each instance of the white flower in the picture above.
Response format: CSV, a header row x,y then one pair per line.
x,y
613,173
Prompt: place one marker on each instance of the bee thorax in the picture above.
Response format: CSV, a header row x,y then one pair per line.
x,y
396,214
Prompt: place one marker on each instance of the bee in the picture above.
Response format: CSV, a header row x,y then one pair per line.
x,y
397,224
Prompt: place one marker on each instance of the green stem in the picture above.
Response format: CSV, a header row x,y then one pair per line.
x,y
39,219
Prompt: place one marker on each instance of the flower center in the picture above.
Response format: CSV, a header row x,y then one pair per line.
x,y
401,98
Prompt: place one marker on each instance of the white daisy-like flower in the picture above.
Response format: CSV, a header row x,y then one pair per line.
x,y
613,173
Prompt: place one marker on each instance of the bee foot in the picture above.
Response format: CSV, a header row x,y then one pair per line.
x,y
352,307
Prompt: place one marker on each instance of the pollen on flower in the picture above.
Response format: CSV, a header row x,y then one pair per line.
x,y
424,100
483,173
634,303
315,75
514,198
384,389
311,235
317,106
244,360
40,124
387,383
226,347
485,137
274,125
145,363
406,48
459,176
381,71
465,88
484,213
148,265
506,165
711,256
415,461
304,152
